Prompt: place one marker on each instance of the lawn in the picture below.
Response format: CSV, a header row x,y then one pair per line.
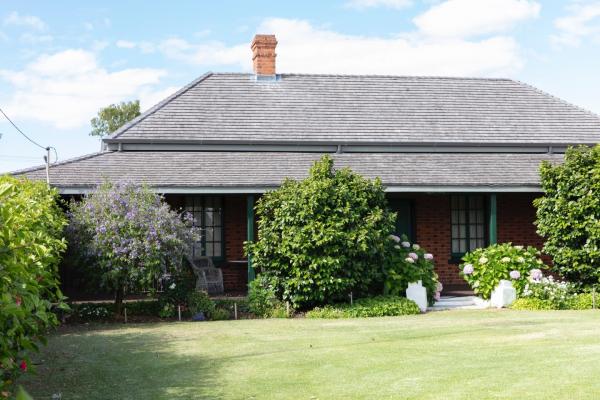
x,y
442,355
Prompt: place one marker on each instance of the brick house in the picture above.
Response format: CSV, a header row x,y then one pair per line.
x,y
459,156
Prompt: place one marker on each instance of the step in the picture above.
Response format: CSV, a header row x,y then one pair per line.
x,y
458,302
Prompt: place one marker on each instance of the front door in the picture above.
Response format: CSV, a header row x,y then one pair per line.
x,y
405,221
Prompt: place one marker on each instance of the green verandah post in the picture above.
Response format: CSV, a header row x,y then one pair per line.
x,y
250,232
493,225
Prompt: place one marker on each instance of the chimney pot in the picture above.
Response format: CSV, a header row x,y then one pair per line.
x,y
263,54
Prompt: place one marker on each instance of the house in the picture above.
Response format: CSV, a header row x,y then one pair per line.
x,y
459,156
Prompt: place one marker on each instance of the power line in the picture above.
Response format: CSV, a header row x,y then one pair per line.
x,y
47,148
21,132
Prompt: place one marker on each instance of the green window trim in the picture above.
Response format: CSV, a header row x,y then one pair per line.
x,y
468,212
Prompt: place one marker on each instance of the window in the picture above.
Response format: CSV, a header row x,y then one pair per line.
x,y
208,216
468,223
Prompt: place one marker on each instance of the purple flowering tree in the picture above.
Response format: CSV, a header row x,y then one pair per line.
x,y
128,236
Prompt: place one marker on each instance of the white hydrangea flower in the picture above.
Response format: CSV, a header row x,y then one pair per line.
x,y
409,260
405,244
519,247
172,286
395,238
416,246
483,260
505,259
520,259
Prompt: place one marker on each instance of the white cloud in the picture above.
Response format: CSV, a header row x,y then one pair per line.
x,y
308,49
467,18
36,39
125,44
363,4
583,21
30,21
67,88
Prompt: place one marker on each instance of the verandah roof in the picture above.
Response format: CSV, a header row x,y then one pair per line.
x,y
239,172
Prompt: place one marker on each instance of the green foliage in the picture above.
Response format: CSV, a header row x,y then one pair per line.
x,y
492,264
379,306
582,301
323,237
102,311
532,304
220,314
127,237
568,215
31,244
262,300
114,116
406,263
546,288
199,301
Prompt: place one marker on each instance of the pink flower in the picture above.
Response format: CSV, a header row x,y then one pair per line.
x,y
414,256
18,300
428,256
23,366
536,274
514,274
468,269
437,296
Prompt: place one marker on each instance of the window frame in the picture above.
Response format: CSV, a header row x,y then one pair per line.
x,y
200,201
455,257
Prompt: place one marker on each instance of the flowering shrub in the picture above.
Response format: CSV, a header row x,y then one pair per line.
x,y
379,306
406,263
484,268
556,292
262,300
323,237
128,236
31,244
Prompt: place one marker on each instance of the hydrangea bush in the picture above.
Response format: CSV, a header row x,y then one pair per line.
x,y
547,288
406,263
128,236
484,268
31,245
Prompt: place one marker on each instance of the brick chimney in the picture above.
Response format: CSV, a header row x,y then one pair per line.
x,y
263,54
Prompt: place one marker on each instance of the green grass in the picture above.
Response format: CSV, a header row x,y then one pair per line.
x,y
442,355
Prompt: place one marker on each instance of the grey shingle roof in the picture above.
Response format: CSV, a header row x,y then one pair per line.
x,y
255,169
359,109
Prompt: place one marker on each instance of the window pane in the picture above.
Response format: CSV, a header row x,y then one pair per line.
x,y
462,229
455,247
454,216
462,246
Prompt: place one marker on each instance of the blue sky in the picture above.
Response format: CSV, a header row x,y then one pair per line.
x,y
63,60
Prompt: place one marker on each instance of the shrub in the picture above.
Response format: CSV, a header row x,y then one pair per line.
x,y
261,297
582,301
532,304
31,244
484,268
128,236
323,237
406,263
220,314
101,311
200,302
379,306
546,288
568,215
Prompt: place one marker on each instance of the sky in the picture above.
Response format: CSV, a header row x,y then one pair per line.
x,y
61,61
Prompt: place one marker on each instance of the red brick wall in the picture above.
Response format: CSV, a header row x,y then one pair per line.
x,y
235,275
432,213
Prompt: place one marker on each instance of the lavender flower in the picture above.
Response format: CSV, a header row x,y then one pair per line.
x,y
414,256
405,244
395,238
514,274
428,256
468,269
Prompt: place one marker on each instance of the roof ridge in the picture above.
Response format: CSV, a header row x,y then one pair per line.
x,y
563,101
158,106
374,76
64,162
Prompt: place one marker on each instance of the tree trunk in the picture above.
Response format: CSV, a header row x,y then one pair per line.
x,y
119,301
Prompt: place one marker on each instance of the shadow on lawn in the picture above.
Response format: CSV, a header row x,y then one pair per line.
x,y
121,362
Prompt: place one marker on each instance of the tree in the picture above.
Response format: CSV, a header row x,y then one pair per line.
x,y
568,215
114,116
128,236
323,237
31,244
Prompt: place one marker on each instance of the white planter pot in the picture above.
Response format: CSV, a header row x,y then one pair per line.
x,y
417,293
504,294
